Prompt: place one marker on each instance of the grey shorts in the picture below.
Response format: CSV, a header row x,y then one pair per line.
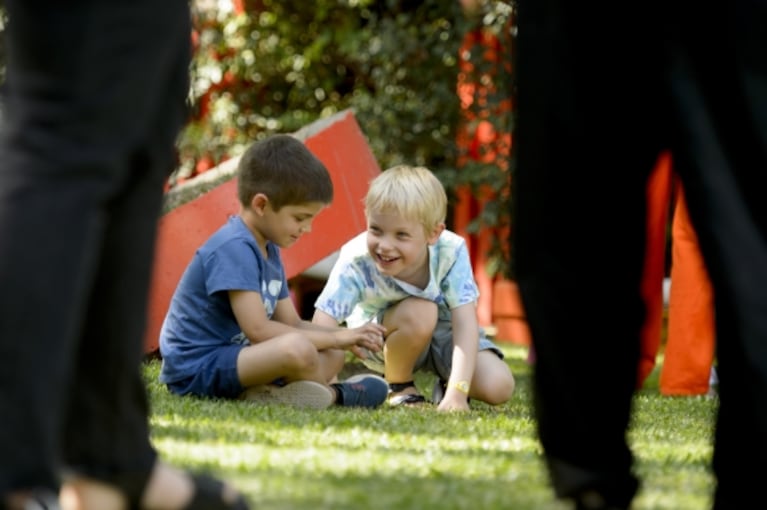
x,y
438,356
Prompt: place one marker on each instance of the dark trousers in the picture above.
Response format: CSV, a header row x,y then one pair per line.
x,y
93,103
603,88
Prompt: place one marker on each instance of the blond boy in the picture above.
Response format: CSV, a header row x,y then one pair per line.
x,y
410,274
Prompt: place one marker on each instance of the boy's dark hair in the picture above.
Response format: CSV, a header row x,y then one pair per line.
x,y
283,169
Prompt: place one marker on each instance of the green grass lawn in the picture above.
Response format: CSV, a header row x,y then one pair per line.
x,y
418,459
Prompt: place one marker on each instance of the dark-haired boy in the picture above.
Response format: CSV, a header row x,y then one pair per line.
x,y
232,330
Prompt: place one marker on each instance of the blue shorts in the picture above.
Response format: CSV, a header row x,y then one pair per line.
x,y
438,356
216,376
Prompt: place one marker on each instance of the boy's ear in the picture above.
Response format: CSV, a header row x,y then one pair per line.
x,y
259,202
435,233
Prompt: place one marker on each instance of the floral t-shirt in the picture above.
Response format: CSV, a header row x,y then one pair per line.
x,y
356,292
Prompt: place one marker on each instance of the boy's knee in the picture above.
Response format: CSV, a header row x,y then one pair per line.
x,y
333,360
415,318
503,391
299,352
414,329
498,386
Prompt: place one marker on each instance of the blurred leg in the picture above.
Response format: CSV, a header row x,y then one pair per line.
x,y
585,148
93,110
107,431
720,93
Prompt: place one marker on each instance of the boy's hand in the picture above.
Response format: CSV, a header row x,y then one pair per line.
x,y
369,336
454,400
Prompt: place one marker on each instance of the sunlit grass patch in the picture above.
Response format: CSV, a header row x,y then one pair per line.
x,y
404,458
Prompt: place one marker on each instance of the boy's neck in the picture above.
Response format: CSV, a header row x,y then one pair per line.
x,y
251,222
421,275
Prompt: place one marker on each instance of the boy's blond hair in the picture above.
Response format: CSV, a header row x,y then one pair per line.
x,y
412,192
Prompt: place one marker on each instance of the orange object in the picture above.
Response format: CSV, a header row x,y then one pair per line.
x,y
658,200
690,344
690,339
479,141
509,313
339,143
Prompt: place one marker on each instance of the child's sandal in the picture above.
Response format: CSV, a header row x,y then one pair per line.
x,y
404,399
213,494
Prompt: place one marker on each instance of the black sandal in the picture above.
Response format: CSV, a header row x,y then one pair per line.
x,y
212,494
406,399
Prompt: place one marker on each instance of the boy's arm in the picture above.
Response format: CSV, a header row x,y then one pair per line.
x,y
323,319
248,308
465,345
251,316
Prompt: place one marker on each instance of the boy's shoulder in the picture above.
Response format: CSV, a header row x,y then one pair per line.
x,y
230,230
449,236
449,249
450,239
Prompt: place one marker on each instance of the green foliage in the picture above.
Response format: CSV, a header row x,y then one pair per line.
x,y
282,64
417,458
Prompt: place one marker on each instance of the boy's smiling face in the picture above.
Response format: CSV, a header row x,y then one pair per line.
x,y
399,246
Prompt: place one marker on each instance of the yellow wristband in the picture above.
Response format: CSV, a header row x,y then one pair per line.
x,y
462,386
